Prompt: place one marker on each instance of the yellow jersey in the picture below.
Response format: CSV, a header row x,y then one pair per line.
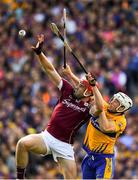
x,y
100,142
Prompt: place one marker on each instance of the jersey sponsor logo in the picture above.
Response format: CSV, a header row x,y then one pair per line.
x,y
73,106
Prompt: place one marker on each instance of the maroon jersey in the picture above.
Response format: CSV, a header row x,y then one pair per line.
x,y
68,115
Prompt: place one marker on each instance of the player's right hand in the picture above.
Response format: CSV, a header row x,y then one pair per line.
x,y
38,48
91,79
66,71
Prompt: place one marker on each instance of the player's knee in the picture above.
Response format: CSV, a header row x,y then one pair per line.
x,y
20,144
23,144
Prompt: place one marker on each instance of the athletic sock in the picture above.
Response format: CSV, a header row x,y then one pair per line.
x,y
20,173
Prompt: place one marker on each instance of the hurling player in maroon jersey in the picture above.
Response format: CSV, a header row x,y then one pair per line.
x,y
70,113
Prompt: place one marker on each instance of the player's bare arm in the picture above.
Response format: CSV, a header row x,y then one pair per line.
x,y
68,72
105,124
43,60
99,101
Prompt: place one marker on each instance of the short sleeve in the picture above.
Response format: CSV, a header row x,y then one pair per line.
x,y
65,86
60,84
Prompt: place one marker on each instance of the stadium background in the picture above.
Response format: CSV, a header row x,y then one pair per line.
x,y
104,35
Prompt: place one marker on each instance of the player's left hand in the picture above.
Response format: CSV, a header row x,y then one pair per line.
x,y
67,71
91,79
38,48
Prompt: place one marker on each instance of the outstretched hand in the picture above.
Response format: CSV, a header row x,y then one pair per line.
x,y
91,79
38,48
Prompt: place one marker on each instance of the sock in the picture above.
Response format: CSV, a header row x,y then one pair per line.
x,y
20,173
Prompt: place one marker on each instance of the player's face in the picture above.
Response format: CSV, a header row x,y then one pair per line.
x,y
113,105
79,90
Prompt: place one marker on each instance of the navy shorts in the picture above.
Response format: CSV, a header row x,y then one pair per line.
x,y
96,166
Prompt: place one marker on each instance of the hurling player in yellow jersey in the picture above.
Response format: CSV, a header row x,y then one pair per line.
x,y
106,124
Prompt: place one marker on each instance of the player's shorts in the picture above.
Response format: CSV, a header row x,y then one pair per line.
x,y
57,148
98,166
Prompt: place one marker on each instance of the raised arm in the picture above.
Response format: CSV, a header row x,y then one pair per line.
x,y
45,63
71,76
99,101
105,124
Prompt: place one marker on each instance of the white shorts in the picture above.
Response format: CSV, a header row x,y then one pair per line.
x,y
56,147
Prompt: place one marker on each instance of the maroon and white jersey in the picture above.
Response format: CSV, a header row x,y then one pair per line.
x,y
68,115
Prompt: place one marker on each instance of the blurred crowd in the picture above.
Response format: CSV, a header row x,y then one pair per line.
x,y
103,33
